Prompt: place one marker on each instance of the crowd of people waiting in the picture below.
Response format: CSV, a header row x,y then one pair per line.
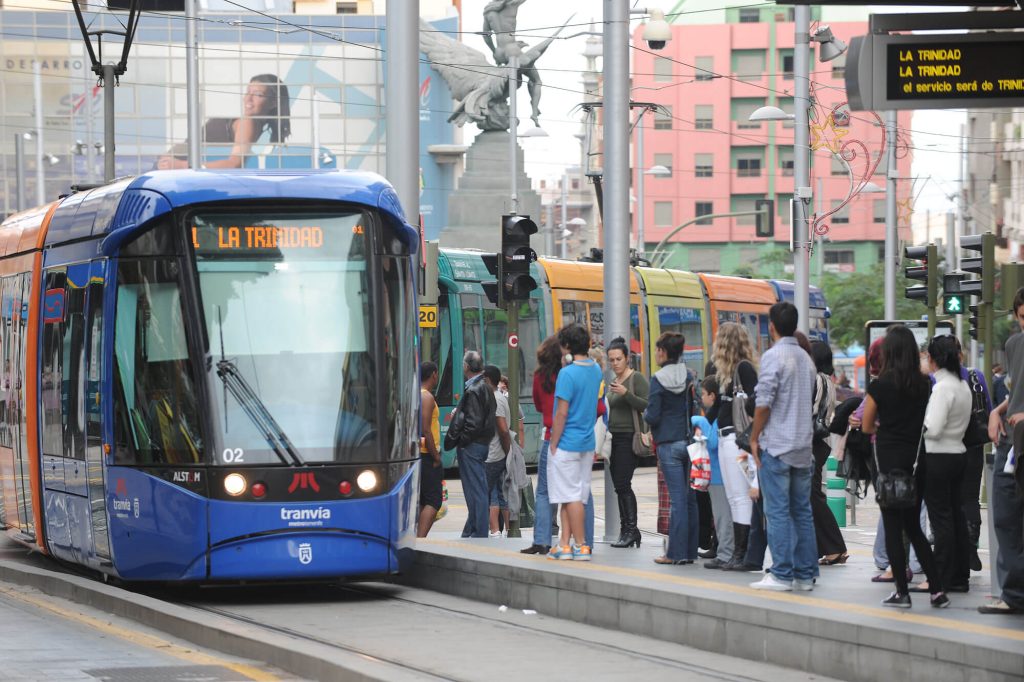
x,y
769,425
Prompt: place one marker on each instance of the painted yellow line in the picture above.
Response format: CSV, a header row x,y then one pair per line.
x,y
783,597
141,639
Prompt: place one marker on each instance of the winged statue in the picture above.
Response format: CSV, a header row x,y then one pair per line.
x,y
479,87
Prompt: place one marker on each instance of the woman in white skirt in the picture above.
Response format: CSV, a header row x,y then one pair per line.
x,y
733,356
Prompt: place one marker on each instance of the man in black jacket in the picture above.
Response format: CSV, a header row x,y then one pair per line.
x,y
471,431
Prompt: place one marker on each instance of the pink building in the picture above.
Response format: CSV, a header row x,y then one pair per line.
x,y
709,79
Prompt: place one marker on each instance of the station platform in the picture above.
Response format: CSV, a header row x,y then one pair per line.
x,y
839,630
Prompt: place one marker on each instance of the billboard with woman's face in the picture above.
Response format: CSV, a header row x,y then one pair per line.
x,y
305,92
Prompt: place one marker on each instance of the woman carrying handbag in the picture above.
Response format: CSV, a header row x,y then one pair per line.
x,y
627,399
898,399
945,464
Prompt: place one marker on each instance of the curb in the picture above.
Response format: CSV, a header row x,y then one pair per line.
x,y
309,660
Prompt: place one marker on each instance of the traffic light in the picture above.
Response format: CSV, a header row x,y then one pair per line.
x,y
491,288
972,321
515,257
984,265
953,302
926,272
765,220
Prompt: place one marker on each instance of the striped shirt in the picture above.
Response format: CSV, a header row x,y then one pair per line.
x,y
786,386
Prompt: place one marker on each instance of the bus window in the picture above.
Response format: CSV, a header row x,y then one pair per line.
x,y
574,311
529,342
766,337
472,332
495,349
444,352
686,321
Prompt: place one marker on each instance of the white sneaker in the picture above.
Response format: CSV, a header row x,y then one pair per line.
x,y
770,582
504,533
495,534
803,585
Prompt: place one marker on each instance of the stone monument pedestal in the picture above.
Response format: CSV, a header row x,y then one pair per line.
x,y
484,194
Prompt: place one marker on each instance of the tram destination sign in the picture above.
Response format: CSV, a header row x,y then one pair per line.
x,y
886,72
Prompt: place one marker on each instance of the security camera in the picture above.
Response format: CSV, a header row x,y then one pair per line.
x,y
657,32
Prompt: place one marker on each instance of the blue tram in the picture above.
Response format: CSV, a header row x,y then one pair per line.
x,y
211,376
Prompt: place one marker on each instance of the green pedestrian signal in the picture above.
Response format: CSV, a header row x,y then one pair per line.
x,y
953,305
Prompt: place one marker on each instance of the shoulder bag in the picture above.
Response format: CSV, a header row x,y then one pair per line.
x,y
897,489
742,422
825,398
976,434
641,437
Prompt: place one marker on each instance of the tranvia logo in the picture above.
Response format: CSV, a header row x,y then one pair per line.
x,y
306,517
305,553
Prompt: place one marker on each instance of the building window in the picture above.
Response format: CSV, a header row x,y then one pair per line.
x,y
786,104
839,257
786,160
702,208
748,65
705,260
748,168
839,66
704,164
879,211
346,8
663,213
742,108
575,184
750,15
705,68
662,70
663,160
840,217
838,167
786,64
704,115
744,202
663,118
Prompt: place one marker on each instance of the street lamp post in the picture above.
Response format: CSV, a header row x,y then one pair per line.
x,y
801,165
891,232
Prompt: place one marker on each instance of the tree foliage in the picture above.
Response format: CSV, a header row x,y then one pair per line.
x,y
855,298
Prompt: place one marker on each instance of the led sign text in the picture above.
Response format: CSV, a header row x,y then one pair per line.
x,y
951,70
261,237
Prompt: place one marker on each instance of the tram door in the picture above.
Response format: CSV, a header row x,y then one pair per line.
x,y
70,411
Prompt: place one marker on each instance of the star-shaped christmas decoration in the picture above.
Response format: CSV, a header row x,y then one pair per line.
x,y
904,209
827,135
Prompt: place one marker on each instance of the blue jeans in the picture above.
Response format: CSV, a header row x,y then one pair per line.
x,y
472,471
683,523
495,480
787,506
545,513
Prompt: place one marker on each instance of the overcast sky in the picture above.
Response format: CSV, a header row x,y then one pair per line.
x,y
935,136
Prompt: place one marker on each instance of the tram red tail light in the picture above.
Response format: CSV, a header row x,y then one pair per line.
x,y
258,489
345,488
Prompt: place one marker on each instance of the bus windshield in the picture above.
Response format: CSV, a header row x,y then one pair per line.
x,y
286,304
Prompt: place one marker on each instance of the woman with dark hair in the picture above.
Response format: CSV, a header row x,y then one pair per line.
x,y
945,462
627,399
266,106
898,398
831,546
549,362
670,405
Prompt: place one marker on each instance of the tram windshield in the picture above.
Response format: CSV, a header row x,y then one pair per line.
x,y
286,303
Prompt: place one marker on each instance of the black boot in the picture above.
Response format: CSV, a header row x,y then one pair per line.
x,y
621,542
631,534
974,533
740,536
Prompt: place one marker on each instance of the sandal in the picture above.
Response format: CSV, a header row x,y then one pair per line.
x,y
836,560
664,560
883,578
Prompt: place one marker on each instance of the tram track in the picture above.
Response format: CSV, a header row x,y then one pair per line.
x,y
545,628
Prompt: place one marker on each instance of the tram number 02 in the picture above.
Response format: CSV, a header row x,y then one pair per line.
x,y
233,456
428,316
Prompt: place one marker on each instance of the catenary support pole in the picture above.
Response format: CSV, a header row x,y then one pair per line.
x,y
891,233
801,165
109,80
192,82
615,220
19,171
640,184
951,260
402,97
565,215
513,124
37,86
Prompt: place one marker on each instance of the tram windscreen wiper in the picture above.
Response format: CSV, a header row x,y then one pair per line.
x,y
258,412
253,406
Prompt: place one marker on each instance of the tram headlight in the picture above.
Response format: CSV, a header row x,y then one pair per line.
x,y
234,484
366,481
